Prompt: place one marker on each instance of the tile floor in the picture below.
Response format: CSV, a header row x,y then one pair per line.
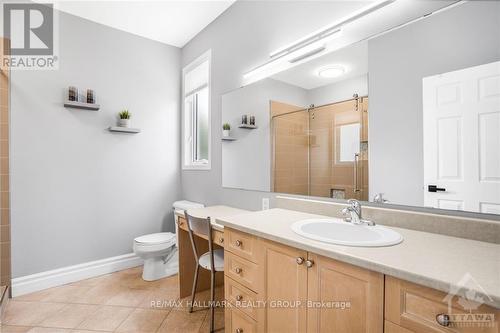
x,y
117,302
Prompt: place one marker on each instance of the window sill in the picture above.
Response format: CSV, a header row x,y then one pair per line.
x,y
196,167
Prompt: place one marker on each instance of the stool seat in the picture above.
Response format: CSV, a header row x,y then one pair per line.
x,y
218,260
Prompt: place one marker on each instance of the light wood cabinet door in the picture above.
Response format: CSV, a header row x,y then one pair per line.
x,y
285,281
422,310
345,298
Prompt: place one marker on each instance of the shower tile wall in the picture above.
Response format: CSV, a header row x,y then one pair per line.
x,y
291,160
4,175
327,171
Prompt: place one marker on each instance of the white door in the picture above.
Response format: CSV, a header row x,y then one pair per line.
x,y
462,139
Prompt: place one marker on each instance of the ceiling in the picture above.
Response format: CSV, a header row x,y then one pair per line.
x,y
353,58
170,22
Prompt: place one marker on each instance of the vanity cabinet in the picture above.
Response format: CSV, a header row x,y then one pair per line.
x,y
411,308
285,287
294,291
345,298
298,291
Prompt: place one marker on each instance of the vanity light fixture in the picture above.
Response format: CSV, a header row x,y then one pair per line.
x,y
311,45
331,71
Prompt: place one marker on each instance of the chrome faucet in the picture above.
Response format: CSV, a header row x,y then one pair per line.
x,y
352,213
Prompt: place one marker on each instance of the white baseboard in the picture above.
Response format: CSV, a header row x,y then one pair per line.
x,y
57,277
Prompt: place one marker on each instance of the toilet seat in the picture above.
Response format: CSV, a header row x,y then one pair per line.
x,y
154,243
155,239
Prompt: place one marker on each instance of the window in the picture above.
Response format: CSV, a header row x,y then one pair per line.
x,y
196,114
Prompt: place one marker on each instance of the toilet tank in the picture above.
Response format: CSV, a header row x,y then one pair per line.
x,y
179,207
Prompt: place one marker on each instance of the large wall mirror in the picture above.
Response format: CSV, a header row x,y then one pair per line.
x,y
407,116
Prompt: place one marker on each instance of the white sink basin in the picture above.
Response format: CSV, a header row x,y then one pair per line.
x,y
337,231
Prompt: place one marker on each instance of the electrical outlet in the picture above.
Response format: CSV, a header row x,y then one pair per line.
x,y
265,203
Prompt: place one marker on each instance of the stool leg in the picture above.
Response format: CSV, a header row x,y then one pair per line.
x,y
212,297
193,292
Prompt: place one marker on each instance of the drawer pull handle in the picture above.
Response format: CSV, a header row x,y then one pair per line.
x,y
238,243
239,297
309,263
221,240
238,270
239,330
300,260
443,319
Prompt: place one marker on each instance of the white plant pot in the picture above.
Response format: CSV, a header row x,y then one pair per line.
x,y
225,133
124,122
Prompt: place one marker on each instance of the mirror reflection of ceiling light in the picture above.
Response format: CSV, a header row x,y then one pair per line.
x,y
331,72
310,46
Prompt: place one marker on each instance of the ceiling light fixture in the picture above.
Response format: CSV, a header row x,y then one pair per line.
x,y
311,45
330,72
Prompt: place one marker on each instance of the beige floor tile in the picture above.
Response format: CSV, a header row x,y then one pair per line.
x,y
14,329
143,321
100,294
106,318
70,316
48,330
102,279
183,322
218,321
160,299
29,313
66,294
34,297
128,297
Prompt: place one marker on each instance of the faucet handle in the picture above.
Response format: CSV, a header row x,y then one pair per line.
x,y
354,203
346,211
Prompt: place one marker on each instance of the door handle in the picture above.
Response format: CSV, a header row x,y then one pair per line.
x,y
434,188
356,168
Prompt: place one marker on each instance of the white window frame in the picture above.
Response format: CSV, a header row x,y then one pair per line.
x,y
207,56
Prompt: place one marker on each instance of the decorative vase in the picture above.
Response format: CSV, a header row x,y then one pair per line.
x,y
124,122
225,133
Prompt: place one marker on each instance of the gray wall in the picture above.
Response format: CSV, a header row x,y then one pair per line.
x,y
464,36
339,91
80,193
240,39
246,162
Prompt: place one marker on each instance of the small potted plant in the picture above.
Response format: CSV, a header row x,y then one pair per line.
x,y
124,118
225,130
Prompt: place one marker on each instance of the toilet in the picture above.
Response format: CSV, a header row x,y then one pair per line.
x,y
159,250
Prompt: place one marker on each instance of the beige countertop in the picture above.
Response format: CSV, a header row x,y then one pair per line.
x,y
215,213
433,260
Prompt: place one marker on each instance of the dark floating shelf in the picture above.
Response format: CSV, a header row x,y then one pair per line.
x,y
248,126
124,129
81,105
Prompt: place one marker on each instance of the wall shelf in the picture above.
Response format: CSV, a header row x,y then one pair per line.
x,y
248,126
228,138
81,105
124,129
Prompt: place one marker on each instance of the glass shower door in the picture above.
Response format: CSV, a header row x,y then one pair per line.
x,y
339,150
290,152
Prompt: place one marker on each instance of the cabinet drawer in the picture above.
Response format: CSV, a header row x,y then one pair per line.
x,y
241,244
241,297
417,308
238,322
242,271
218,237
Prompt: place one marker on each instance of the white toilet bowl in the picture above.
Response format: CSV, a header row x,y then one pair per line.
x,y
159,254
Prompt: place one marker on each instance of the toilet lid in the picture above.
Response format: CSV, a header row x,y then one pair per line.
x,y
158,238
